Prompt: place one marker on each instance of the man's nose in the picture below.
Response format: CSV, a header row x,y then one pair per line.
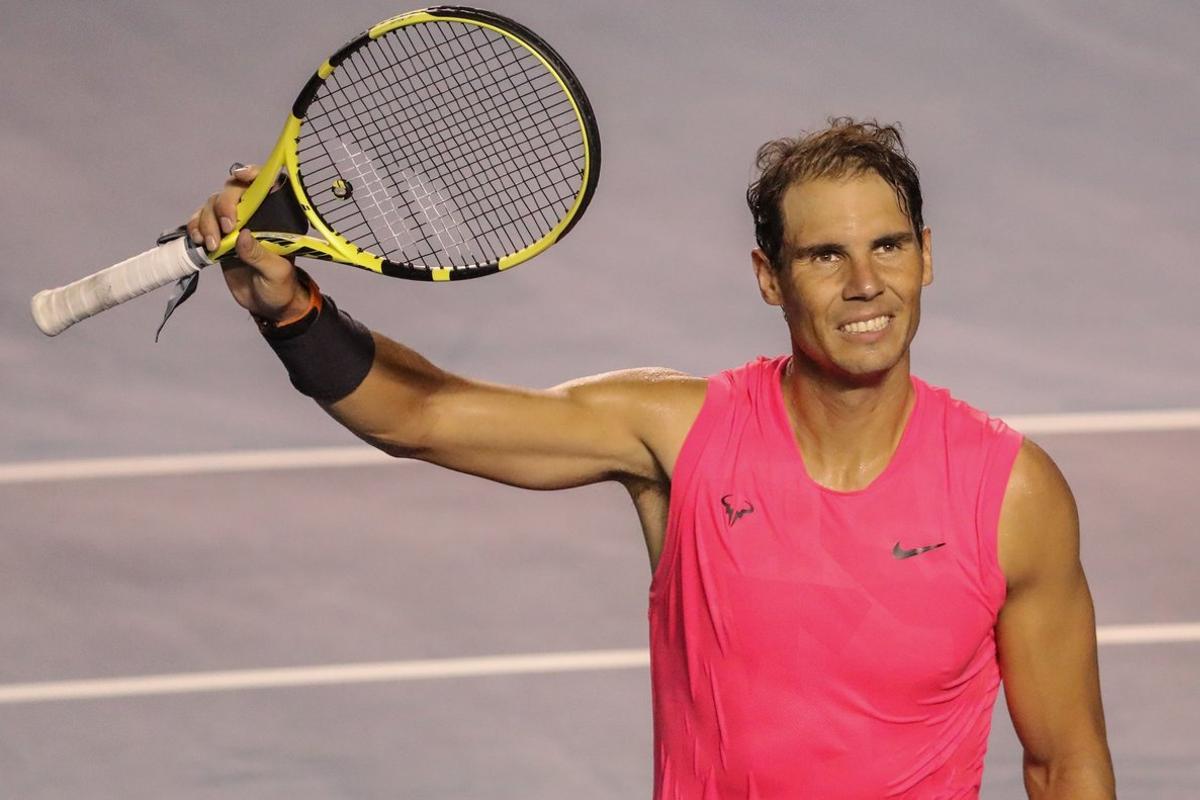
x,y
862,281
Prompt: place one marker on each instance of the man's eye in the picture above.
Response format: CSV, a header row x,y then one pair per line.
x,y
889,247
825,258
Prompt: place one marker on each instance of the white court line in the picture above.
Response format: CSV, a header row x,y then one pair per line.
x,y
346,674
1107,421
359,455
1143,634
340,674
193,463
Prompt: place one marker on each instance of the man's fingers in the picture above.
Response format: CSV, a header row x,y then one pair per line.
x,y
218,215
226,201
266,263
249,250
193,228
262,282
207,225
246,173
225,206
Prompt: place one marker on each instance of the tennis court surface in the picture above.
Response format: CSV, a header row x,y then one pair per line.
x,y
290,616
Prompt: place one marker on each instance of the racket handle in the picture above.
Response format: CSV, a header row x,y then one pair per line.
x,y
55,310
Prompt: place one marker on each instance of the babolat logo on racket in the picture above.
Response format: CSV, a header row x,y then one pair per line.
x,y
342,189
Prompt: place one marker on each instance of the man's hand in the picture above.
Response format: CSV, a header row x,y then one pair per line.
x,y
261,282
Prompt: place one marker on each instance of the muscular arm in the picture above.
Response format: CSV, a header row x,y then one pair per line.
x,y
623,425
1046,635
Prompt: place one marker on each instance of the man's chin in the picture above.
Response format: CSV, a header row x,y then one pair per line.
x,y
865,372
864,378
854,369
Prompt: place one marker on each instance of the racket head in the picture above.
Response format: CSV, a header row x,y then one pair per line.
x,y
441,144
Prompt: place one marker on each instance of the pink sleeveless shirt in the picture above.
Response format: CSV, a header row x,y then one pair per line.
x,y
810,643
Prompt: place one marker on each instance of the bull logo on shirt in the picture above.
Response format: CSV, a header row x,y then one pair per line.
x,y
736,508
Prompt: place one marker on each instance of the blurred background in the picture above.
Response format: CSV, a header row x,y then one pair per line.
x,y
1057,148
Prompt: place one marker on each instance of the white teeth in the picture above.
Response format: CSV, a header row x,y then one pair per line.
x,y
867,326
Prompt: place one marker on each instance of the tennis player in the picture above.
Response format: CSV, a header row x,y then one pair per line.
x,y
847,561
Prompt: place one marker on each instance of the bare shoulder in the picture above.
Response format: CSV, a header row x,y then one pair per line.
x,y
1036,481
1039,523
656,385
660,404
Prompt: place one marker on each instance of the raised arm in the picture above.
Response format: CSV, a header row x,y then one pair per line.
x,y
619,425
626,425
1046,636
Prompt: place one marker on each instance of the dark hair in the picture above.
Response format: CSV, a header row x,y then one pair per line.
x,y
846,148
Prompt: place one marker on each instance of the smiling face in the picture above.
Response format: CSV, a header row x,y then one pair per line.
x,y
850,276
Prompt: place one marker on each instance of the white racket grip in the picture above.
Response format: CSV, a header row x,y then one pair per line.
x,y
55,310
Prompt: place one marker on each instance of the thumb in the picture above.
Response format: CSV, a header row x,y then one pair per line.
x,y
251,252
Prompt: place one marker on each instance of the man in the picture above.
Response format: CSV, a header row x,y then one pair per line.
x,y
846,561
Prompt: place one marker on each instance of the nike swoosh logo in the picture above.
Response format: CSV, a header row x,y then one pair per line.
x,y
900,552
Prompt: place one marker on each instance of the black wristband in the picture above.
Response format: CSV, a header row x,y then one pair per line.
x,y
327,353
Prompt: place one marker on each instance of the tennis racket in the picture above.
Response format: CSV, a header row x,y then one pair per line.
x,y
441,144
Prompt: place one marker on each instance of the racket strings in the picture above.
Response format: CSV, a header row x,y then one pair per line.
x,y
441,126
517,183
501,178
504,130
413,201
547,150
504,178
381,201
440,233
458,144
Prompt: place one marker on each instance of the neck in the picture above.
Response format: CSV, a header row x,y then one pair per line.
x,y
846,429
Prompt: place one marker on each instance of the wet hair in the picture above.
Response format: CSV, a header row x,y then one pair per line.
x,y
847,148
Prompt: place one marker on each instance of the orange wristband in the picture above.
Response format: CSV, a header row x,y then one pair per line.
x,y
314,303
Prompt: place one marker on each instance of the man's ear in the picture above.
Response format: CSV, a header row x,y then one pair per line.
x,y
926,256
768,279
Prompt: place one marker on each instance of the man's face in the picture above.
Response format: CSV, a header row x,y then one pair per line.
x,y
851,278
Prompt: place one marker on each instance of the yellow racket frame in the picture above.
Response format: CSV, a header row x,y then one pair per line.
x,y
335,247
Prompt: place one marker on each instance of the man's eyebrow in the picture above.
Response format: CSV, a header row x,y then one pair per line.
x,y
900,237
814,249
897,238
